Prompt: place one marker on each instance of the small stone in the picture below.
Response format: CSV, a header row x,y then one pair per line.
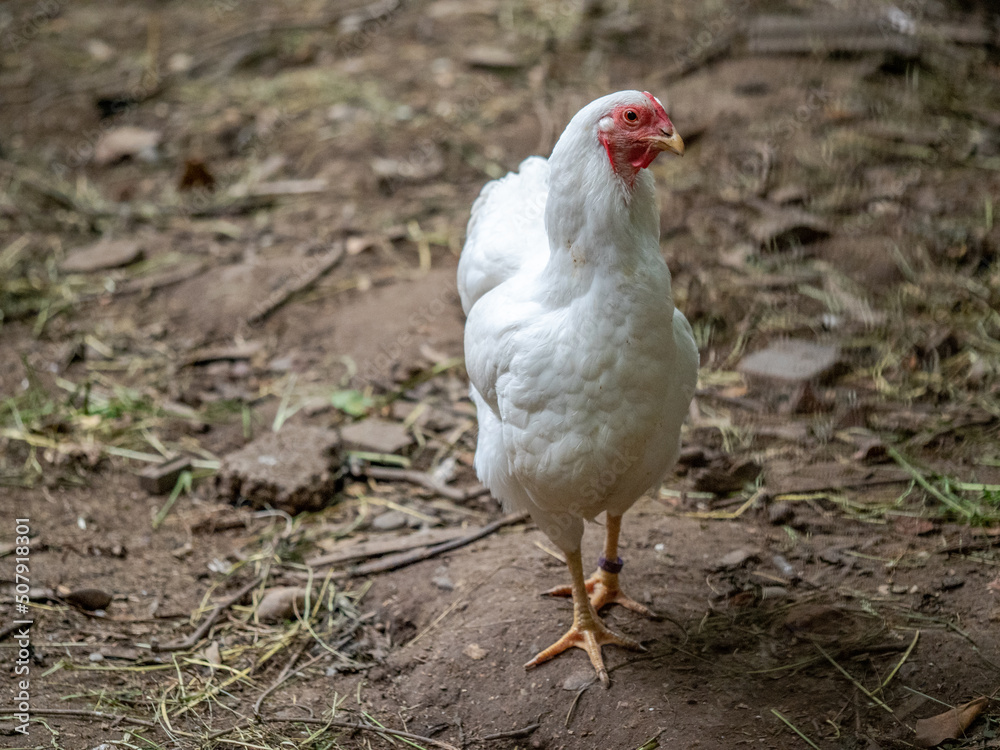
x,y
99,50
102,255
774,592
832,556
293,470
443,582
212,653
281,603
784,567
180,63
96,656
790,362
737,558
579,680
389,521
474,651
483,56
124,142
375,436
899,588
950,583
780,514
89,599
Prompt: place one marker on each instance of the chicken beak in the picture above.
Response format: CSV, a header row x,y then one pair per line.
x,y
672,143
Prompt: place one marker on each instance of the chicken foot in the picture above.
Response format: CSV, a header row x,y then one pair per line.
x,y
603,586
588,630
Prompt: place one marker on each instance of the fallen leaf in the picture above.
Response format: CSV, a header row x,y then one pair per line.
x,y
474,651
950,725
196,174
352,402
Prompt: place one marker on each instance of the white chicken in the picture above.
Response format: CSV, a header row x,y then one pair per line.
x,y
581,368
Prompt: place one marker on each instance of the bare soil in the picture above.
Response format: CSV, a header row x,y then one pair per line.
x,y
824,557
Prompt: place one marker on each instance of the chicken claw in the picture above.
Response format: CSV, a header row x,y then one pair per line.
x,y
588,631
604,590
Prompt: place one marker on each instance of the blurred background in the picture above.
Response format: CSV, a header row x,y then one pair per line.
x,y
230,343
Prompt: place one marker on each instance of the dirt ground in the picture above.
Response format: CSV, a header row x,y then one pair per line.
x,y
221,221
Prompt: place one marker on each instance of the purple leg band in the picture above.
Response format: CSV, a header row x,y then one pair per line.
x,y
610,567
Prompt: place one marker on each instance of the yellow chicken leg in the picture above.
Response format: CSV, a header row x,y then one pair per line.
x,y
603,585
588,631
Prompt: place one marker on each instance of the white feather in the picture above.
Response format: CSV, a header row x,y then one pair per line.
x,y
581,369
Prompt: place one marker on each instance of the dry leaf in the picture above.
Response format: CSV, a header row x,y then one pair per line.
x,y
474,651
196,175
950,725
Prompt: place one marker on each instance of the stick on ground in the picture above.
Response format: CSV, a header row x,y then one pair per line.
x,y
192,640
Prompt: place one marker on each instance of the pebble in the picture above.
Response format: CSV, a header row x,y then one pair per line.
x,y
949,583
774,592
89,599
390,521
790,361
102,255
736,558
443,582
376,436
784,567
579,680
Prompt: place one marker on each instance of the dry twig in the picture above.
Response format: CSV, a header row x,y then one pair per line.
x,y
424,480
192,640
394,562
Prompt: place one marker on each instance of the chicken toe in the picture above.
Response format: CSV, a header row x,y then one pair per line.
x,y
603,589
588,631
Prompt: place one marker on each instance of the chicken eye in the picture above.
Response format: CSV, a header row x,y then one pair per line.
x,y
631,116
